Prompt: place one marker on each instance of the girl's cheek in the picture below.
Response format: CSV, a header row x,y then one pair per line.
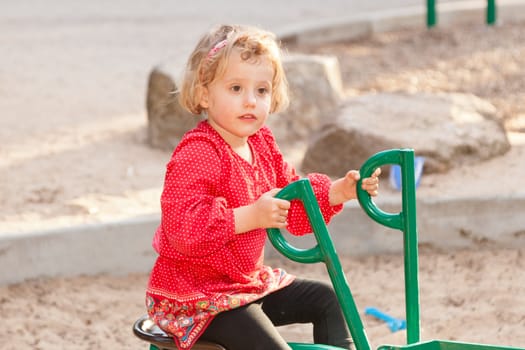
x,y
266,104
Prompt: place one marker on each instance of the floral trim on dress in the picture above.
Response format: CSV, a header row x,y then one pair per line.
x,y
186,321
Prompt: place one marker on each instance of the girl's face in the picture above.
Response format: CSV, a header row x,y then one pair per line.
x,y
239,102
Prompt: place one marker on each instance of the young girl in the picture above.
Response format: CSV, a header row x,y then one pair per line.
x,y
209,280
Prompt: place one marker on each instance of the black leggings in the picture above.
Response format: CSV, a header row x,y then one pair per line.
x,y
304,301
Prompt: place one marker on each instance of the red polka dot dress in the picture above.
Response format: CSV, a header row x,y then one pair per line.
x,y
203,267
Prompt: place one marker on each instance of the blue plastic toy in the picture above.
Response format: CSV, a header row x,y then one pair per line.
x,y
395,173
395,324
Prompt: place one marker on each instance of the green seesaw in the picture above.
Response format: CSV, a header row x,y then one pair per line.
x,y
325,252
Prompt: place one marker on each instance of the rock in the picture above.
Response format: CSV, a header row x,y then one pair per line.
x,y
516,124
316,94
446,129
167,120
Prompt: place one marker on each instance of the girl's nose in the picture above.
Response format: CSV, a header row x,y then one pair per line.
x,y
250,100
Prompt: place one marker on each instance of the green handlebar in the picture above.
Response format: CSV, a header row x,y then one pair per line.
x,y
302,190
387,219
404,221
325,251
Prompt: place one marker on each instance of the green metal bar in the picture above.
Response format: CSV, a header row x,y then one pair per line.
x,y
299,190
404,221
325,249
410,247
431,13
491,12
394,221
446,345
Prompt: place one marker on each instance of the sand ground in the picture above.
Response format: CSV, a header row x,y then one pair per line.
x,y
471,296
62,172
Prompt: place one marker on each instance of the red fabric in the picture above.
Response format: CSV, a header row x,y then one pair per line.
x,y
203,267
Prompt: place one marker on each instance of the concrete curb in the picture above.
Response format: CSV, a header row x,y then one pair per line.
x,y
123,247
118,247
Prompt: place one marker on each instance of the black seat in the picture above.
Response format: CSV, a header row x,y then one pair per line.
x,y
147,330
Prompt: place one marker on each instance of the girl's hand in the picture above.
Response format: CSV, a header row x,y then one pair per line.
x,y
344,189
265,212
272,212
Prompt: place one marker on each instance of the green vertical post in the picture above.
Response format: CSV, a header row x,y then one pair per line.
x,y
410,246
431,13
491,12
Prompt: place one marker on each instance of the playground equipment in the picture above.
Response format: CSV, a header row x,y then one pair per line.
x,y
324,251
490,17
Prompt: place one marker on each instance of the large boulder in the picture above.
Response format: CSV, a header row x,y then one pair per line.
x,y
446,129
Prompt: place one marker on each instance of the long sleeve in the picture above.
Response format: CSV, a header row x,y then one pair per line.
x,y
195,220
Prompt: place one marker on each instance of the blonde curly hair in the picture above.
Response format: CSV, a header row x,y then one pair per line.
x,y
209,60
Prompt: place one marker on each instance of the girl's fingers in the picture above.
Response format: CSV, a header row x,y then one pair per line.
x,y
371,181
371,184
284,205
353,175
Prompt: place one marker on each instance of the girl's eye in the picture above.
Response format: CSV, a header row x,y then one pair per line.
x,y
236,88
262,91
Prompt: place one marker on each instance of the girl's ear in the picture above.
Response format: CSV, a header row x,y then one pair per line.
x,y
203,97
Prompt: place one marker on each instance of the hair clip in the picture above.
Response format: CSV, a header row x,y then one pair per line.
x,y
217,48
